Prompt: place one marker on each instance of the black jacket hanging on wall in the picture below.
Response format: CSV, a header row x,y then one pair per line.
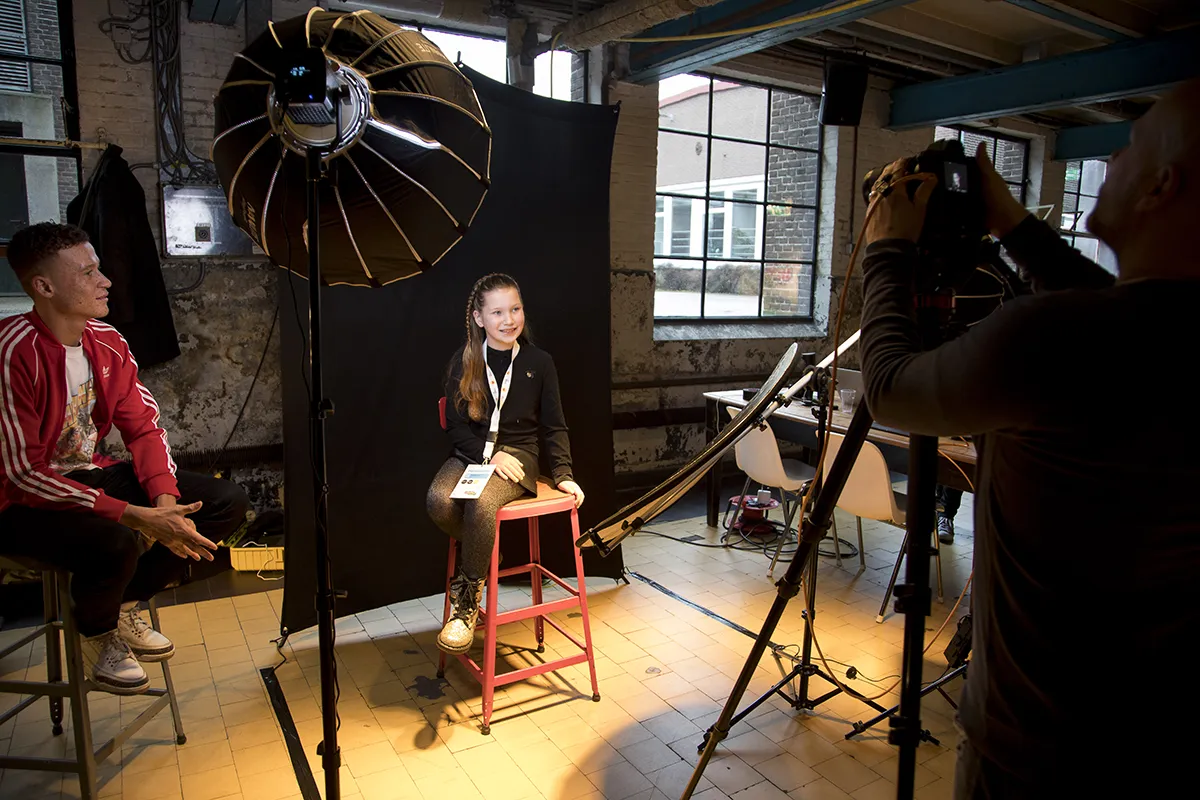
x,y
112,209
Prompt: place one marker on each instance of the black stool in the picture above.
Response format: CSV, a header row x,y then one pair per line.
x,y
57,600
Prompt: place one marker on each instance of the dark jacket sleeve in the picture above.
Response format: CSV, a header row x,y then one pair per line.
x,y
458,426
1000,374
1048,262
553,424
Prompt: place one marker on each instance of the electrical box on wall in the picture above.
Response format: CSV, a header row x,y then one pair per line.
x,y
221,12
196,222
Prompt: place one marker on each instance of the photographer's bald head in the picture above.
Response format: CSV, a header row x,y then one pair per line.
x,y
1150,199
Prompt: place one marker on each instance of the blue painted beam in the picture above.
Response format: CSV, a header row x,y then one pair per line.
x,y
1076,21
649,62
1126,69
1091,141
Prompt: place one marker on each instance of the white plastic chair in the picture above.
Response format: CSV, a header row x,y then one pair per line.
x,y
758,456
868,493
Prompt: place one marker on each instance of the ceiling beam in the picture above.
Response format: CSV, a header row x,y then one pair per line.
x,y
1091,141
653,61
944,33
1112,22
1127,69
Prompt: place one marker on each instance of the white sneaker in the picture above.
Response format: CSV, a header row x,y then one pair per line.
x,y
145,642
112,665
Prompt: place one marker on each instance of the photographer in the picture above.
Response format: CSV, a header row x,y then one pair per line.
x,y
1076,396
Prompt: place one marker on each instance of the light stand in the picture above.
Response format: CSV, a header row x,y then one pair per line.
x,y
319,408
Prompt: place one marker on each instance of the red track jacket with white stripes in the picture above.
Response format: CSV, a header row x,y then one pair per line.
x,y
33,401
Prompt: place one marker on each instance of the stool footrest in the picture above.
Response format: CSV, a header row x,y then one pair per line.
x,y
17,709
36,688
105,750
43,764
566,633
540,610
530,569
523,673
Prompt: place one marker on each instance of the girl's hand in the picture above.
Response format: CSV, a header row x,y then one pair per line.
x,y
508,467
572,488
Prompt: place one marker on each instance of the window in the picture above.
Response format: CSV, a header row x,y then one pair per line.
x,y
1079,197
489,56
735,222
38,180
1008,153
14,75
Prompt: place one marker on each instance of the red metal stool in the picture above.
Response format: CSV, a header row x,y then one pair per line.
x,y
548,501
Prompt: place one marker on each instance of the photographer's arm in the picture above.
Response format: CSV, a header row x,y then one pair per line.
x,y
998,375
1048,262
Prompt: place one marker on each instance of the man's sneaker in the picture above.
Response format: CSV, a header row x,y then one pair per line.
x,y
112,665
945,529
458,633
145,642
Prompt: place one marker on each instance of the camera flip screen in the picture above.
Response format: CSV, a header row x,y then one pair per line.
x,y
956,177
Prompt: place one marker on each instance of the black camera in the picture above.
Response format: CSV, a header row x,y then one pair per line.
x,y
960,260
955,226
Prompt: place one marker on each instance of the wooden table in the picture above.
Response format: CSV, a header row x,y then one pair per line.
x,y
796,423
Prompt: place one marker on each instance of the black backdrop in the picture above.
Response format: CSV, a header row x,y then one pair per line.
x,y
545,221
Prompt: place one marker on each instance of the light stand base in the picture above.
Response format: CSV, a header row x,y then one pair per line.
x,y
926,736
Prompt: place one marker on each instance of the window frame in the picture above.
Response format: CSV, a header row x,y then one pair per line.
x,y
70,98
762,205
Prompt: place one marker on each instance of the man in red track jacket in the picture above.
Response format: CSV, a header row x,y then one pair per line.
x,y
66,380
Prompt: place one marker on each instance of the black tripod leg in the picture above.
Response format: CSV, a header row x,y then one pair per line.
x,y
892,583
812,529
913,599
861,727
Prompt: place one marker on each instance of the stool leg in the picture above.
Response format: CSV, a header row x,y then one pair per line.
x,y
535,578
583,609
837,543
489,636
54,665
81,721
180,736
937,556
441,670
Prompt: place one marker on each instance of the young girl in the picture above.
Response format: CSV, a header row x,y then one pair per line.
x,y
497,365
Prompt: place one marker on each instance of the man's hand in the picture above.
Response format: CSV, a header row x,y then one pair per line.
x,y
1003,211
897,216
507,466
572,488
170,527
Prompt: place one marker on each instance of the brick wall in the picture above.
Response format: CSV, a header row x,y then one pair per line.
x,y
789,234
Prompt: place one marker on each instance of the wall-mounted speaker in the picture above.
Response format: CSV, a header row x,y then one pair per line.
x,y
844,92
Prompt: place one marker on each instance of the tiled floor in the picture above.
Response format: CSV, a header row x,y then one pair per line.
x,y
665,670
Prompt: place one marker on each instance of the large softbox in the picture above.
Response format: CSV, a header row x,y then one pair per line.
x,y
407,165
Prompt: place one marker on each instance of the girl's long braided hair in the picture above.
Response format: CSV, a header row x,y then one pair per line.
x,y
472,395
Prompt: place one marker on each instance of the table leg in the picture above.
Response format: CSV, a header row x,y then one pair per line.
x,y
712,481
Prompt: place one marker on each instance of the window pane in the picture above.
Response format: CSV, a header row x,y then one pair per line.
x,y
1093,177
677,288
682,163
786,290
970,142
1087,246
683,104
41,28
790,234
745,226
1070,203
39,107
1074,171
36,189
660,225
716,228
946,133
731,289
552,76
794,119
792,177
739,111
485,55
734,163
9,285
681,227
1010,160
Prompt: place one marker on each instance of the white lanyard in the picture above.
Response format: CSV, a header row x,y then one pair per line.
x,y
499,394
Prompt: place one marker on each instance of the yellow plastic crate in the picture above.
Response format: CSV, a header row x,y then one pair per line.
x,y
254,559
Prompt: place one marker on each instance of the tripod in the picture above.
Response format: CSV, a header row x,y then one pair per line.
x,y
913,599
